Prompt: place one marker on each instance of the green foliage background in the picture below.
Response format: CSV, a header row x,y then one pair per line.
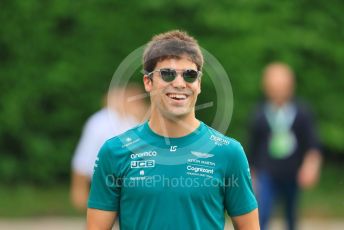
x,y
57,59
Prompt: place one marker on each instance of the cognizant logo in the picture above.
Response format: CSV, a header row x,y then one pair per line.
x,y
143,154
198,169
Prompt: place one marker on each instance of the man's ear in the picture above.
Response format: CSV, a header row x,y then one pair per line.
x,y
148,83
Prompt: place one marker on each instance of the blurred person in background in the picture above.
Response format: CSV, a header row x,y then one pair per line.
x,y
285,154
124,108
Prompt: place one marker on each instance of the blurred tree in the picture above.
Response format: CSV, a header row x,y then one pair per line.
x,y
57,59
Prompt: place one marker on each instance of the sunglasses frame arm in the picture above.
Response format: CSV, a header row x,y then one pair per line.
x,y
149,74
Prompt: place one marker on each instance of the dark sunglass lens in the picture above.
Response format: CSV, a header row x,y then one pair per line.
x,y
190,75
168,75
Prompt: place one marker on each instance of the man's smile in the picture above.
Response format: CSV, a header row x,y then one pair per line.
x,y
177,96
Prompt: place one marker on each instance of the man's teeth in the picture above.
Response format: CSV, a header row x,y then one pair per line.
x,y
177,96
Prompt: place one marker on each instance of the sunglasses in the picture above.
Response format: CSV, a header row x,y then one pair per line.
x,y
168,75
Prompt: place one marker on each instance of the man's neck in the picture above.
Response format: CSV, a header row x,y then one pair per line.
x,y
279,105
177,127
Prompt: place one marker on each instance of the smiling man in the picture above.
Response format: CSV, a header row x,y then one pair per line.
x,y
173,171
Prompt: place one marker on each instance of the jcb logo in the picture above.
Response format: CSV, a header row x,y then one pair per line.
x,y
143,164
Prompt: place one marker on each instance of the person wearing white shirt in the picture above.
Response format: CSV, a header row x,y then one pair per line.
x,y
101,126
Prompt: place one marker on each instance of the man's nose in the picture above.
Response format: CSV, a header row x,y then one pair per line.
x,y
179,82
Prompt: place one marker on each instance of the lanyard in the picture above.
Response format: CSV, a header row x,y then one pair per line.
x,y
280,119
282,141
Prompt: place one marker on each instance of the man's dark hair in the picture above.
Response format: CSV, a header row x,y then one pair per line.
x,y
172,44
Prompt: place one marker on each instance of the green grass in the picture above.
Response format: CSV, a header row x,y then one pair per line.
x,y
326,200
29,201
